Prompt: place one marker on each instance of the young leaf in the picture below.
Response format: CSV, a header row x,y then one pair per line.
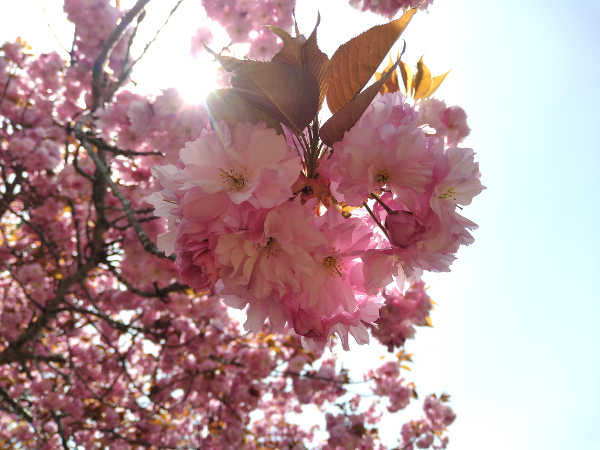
x,y
227,105
291,52
333,130
423,80
392,84
406,77
299,51
317,63
287,93
229,63
435,84
355,62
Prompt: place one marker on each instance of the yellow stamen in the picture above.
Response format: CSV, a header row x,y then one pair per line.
x,y
383,176
449,193
332,266
269,249
235,180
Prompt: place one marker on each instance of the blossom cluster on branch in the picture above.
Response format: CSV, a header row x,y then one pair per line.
x,y
258,212
242,20
109,341
389,8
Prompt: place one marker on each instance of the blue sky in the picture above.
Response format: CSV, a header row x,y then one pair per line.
x,y
516,339
517,334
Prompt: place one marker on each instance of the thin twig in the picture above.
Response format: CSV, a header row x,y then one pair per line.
x,y
378,200
377,221
142,236
10,78
115,150
51,30
37,230
160,293
107,48
17,408
155,36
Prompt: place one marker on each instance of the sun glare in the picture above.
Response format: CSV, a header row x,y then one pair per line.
x,y
196,80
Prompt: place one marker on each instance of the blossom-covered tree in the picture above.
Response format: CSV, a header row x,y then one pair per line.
x,y
129,224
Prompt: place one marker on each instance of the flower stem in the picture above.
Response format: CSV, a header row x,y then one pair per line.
x,y
377,221
386,207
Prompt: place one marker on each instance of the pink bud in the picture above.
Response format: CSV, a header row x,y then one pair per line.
x,y
404,229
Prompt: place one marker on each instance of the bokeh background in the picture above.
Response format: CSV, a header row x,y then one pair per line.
x,y
516,337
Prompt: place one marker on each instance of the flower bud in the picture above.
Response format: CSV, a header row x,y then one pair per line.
x,y
404,229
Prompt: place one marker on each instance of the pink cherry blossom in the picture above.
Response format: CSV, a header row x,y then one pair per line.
x,y
334,282
404,229
202,37
250,163
114,327
385,149
272,259
458,176
449,122
455,119
197,265
388,8
400,313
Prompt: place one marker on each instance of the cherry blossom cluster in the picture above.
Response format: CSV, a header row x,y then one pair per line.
x,y
107,343
243,21
422,433
233,223
348,431
388,383
158,125
100,345
449,122
245,221
399,315
388,8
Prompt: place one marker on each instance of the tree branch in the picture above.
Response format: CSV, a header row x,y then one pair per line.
x,y
107,48
146,242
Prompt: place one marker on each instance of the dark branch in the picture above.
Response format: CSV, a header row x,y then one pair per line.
x,y
107,48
